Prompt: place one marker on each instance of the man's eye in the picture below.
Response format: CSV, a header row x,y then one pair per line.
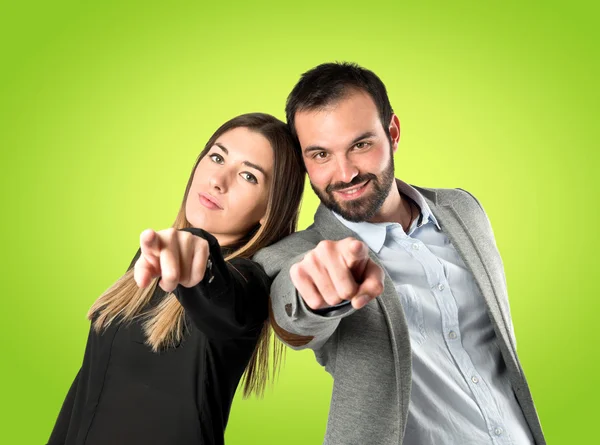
x,y
361,145
249,177
217,158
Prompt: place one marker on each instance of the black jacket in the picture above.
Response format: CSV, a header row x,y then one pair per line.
x,y
126,394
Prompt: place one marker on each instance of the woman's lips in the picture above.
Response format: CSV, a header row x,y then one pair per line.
x,y
209,201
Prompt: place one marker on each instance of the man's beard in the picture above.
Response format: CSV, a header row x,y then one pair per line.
x,y
363,208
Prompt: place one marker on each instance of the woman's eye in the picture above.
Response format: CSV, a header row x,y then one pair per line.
x,y
249,177
217,158
320,155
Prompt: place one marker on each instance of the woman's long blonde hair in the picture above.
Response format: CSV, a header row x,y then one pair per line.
x,y
165,324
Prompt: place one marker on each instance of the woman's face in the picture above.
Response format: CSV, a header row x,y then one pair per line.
x,y
230,188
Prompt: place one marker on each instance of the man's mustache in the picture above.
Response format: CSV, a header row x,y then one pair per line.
x,y
356,180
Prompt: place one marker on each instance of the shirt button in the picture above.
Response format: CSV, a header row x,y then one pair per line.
x,y
452,335
415,246
474,379
441,286
498,431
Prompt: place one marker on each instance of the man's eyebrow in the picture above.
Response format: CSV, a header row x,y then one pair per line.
x,y
222,147
365,135
257,167
314,148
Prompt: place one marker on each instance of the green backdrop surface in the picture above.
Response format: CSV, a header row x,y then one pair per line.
x,y
104,108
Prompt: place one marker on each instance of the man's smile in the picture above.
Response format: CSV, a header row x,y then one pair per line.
x,y
353,192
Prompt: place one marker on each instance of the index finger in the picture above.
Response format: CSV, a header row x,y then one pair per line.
x,y
150,246
371,287
343,280
355,254
144,272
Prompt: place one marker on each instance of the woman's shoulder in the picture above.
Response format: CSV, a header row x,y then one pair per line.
x,y
250,270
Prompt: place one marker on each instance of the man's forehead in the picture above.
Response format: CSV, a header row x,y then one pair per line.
x,y
339,122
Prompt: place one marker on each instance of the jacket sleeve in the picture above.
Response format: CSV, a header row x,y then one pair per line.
x,y
231,301
293,321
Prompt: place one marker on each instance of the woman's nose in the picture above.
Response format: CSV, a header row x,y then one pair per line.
x,y
218,182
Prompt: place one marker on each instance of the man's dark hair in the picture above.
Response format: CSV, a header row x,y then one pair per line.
x,y
330,82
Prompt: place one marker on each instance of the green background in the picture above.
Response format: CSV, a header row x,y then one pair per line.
x,y
105,107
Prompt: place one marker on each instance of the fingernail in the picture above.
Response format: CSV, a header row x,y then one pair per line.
x,y
363,300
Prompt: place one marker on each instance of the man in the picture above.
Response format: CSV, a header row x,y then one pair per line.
x,y
412,321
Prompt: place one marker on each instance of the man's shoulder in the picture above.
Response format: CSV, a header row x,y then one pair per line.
x,y
453,196
289,247
308,236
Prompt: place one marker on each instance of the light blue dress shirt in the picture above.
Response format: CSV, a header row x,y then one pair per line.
x,y
461,393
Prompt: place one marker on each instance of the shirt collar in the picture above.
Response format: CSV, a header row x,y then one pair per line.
x,y
373,234
426,213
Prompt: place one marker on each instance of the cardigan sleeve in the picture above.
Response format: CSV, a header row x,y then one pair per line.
x,y
232,299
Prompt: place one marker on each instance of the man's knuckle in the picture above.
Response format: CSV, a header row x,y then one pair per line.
x,y
332,300
326,247
346,294
314,303
310,261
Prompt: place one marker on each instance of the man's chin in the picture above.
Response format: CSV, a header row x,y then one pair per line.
x,y
355,211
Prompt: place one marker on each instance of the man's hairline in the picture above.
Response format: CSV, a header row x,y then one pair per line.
x,y
334,102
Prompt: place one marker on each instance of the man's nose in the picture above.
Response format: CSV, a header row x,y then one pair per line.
x,y
347,171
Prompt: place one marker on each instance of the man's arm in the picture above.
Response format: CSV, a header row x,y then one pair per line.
x,y
312,281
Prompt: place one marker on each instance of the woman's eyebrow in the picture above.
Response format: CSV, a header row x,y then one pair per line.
x,y
222,147
248,163
257,167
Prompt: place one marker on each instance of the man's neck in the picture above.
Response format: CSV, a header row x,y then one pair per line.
x,y
393,209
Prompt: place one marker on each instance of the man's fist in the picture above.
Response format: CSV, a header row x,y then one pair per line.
x,y
337,271
178,257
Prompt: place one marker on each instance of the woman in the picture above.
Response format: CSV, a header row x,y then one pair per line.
x,y
165,355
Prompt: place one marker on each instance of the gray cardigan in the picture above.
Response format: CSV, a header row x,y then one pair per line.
x,y
368,351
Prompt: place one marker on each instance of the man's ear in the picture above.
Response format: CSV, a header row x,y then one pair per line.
x,y
394,130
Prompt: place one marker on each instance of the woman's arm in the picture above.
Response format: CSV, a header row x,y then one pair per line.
x,y
231,300
225,300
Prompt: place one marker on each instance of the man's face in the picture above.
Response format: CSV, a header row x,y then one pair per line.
x,y
348,155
